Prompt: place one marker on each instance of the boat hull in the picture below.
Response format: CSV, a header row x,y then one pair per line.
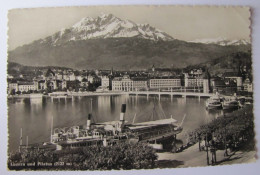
x,y
230,105
214,103
227,107
219,106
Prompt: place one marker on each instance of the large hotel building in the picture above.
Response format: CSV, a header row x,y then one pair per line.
x,y
135,84
164,83
126,84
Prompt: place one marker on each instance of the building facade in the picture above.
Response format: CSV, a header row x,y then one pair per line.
x,y
248,86
193,82
25,87
140,84
122,84
105,81
21,86
164,83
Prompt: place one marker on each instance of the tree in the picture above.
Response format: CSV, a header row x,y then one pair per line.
x,y
12,92
91,87
96,157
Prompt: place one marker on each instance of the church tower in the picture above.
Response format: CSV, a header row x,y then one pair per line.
x,y
153,68
112,71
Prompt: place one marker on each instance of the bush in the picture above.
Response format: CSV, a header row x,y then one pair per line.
x,y
119,156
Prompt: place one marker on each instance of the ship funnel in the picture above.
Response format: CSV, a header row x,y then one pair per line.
x,y
122,116
89,121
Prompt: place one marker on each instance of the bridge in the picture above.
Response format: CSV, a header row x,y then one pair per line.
x,y
171,94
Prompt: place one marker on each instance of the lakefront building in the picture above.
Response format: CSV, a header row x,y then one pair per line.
x,y
105,81
122,84
194,82
164,83
199,82
21,86
140,84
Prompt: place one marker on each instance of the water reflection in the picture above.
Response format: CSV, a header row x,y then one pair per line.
x,y
35,116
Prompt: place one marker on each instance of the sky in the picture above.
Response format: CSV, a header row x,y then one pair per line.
x,y
181,22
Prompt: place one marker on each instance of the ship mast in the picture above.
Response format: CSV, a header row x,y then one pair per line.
x,y
134,118
183,120
51,128
91,105
21,139
21,136
27,140
153,113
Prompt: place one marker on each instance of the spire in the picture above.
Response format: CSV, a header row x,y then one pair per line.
x,y
153,68
112,71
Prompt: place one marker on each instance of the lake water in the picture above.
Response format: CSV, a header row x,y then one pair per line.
x,y
35,116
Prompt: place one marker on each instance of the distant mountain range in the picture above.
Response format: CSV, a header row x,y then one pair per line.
x,y
108,41
221,41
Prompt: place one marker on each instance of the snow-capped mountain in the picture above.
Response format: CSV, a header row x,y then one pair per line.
x,y
108,26
107,41
221,41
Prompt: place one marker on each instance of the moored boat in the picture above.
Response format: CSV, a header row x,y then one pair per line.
x,y
110,133
214,102
230,103
248,100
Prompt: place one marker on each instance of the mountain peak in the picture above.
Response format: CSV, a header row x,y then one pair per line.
x,y
108,26
106,15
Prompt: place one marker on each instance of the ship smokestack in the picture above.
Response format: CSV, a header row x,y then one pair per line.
x,y
89,121
122,116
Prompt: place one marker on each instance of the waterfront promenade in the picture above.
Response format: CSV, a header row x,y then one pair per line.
x,y
192,157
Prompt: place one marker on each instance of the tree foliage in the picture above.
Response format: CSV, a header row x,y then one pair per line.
x,y
234,129
118,156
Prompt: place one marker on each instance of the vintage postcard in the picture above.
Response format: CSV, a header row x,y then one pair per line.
x,y
129,87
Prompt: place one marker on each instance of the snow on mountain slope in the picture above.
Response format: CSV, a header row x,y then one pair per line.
x,y
108,26
221,41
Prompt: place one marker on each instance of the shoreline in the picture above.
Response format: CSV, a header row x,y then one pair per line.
x,y
193,157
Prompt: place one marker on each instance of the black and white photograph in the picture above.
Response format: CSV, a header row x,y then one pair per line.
x,y
129,87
